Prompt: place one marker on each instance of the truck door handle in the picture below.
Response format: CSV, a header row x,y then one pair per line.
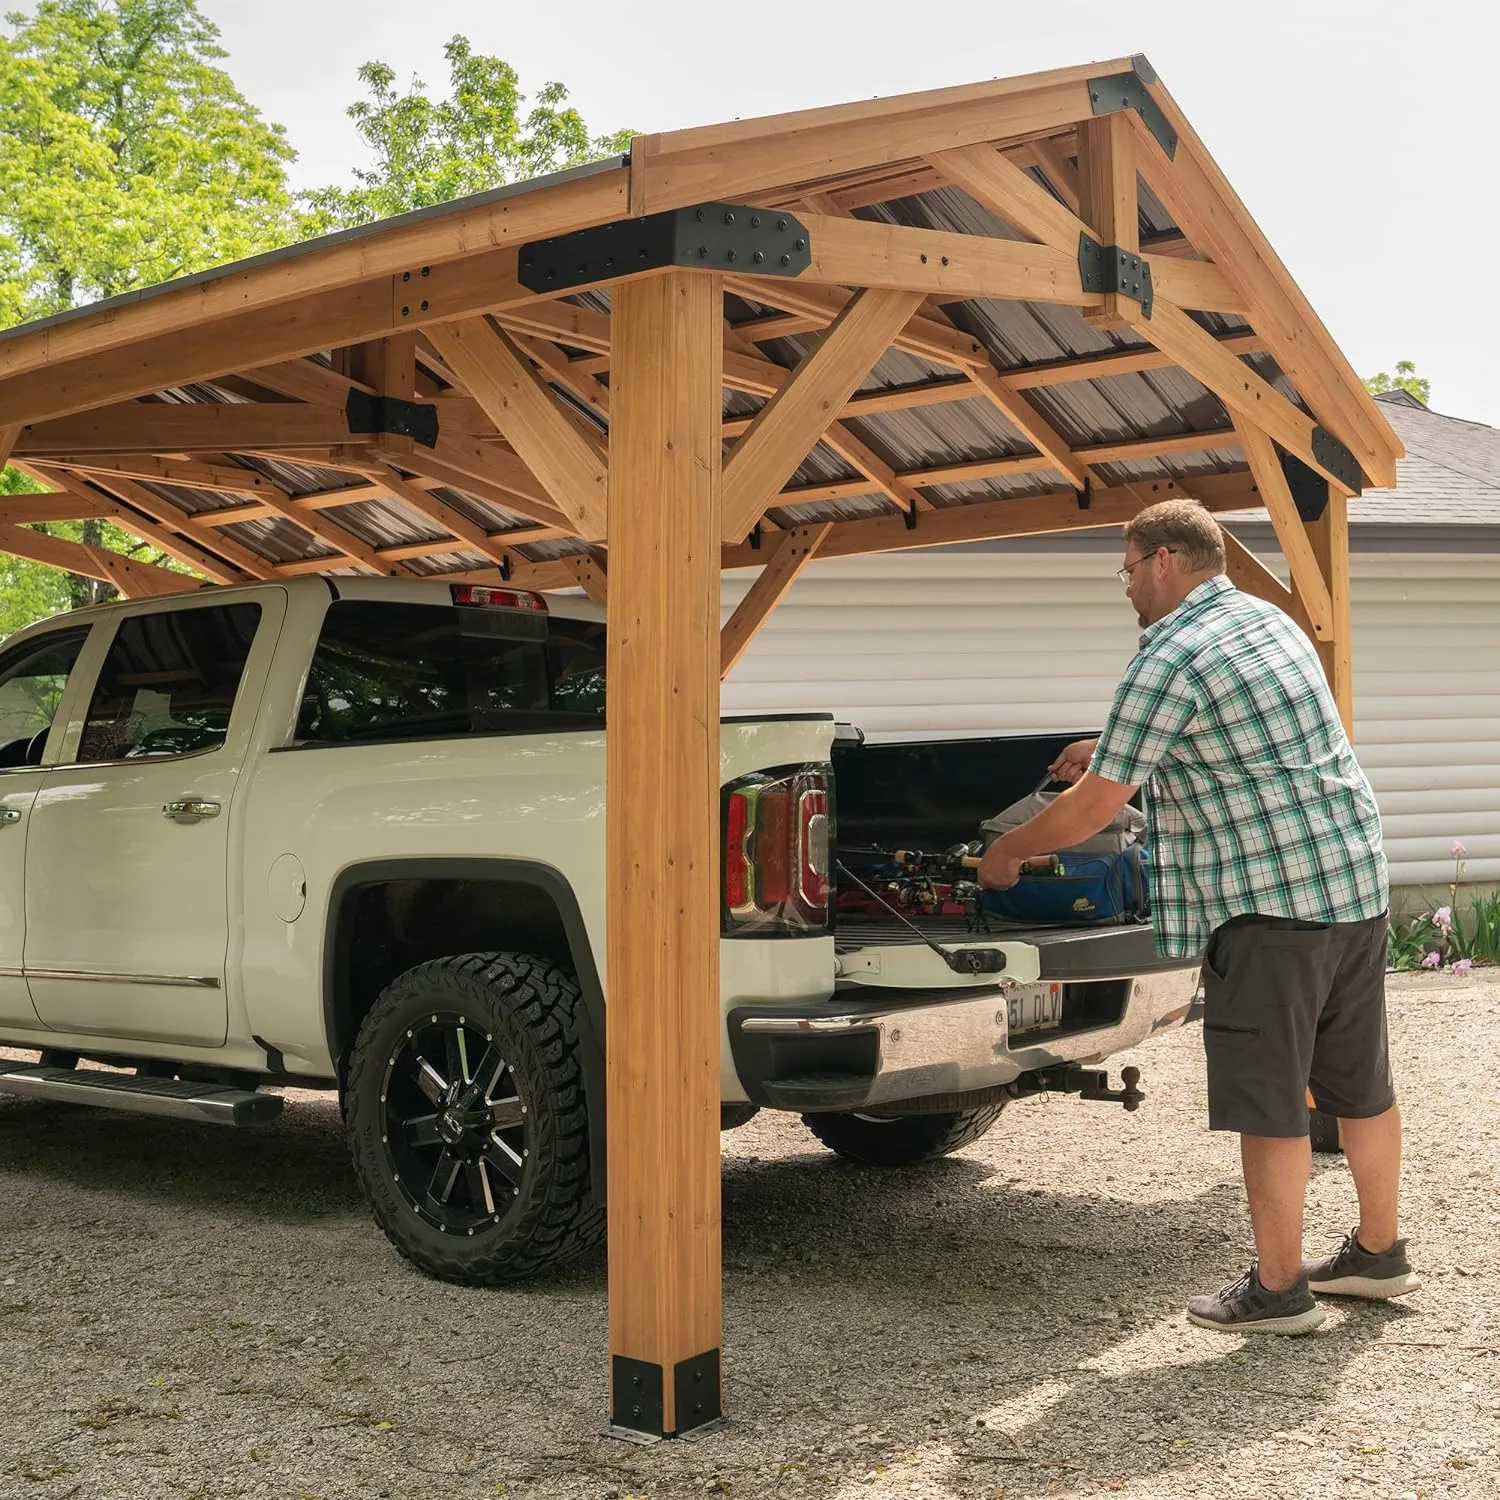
x,y
189,810
10,814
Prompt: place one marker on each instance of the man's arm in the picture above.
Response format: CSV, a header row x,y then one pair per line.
x,y
1078,813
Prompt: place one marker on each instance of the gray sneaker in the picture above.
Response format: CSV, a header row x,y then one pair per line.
x,y
1245,1306
1351,1271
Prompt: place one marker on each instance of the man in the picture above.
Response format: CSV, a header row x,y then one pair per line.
x,y
1266,857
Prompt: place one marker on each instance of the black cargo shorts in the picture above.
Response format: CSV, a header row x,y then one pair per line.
x,y
1291,1006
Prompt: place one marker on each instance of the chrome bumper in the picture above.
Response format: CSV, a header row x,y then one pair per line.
x,y
876,1047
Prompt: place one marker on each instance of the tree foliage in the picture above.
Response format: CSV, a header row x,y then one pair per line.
x,y
425,150
127,157
1405,379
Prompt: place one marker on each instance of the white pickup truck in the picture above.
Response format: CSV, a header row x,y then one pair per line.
x,y
349,834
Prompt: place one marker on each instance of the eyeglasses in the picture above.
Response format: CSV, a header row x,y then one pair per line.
x,y
1123,574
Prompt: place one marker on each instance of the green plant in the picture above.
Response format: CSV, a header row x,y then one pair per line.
x,y
1440,939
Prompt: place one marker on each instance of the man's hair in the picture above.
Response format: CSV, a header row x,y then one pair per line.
x,y
1185,527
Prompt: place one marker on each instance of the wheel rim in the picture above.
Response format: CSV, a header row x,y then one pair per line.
x,y
455,1124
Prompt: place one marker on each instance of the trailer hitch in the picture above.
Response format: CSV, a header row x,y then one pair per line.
x,y
1088,1083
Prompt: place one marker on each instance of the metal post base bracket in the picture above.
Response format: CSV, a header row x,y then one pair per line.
x,y
1108,268
708,237
636,1406
1128,91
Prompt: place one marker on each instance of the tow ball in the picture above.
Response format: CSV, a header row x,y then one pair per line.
x,y
1090,1083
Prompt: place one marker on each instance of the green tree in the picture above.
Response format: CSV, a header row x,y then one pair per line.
x,y
426,150
127,157
1405,379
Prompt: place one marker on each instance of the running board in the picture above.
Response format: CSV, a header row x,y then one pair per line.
x,y
210,1103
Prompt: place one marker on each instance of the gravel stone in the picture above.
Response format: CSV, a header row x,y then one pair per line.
x,y
194,1313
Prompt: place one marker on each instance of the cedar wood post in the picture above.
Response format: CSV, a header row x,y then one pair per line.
x,y
662,851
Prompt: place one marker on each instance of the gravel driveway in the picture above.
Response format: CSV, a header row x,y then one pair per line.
x,y
186,1312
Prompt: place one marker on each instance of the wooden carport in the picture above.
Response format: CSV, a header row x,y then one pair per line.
x,y
1023,306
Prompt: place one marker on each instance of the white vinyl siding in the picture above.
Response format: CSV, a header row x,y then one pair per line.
x,y
948,644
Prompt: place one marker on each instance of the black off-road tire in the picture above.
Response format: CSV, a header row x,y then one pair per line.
x,y
901,1140
1324,1131
526,1008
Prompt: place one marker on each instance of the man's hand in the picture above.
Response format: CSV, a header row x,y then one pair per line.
x,y
1073,761
997,870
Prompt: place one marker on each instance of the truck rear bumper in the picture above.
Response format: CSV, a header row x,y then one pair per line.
x,y
873,1046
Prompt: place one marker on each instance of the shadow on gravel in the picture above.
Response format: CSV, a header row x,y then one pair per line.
x,y
1007,1335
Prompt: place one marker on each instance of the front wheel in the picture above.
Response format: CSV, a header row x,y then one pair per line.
x,y
466,1118
901,1140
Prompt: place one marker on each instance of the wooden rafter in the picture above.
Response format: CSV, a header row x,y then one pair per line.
x,y
574,470
38,510
794,550
1296,546
798,414
134,580
591,571
1247,572
1201,200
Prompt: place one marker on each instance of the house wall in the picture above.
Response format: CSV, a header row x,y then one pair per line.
x,y
1031,638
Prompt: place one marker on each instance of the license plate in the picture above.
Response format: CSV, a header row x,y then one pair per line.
x,y
1033,1007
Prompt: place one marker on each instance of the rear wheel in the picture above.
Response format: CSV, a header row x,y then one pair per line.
x,y
467,1121
901,1140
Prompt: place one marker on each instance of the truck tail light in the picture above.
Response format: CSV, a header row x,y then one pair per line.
x,y
778,833
483,595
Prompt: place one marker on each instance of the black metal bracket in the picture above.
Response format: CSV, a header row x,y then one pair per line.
x,y
1309,488
695,1385
708,236
1128,91
636,1391
1108,268
909,515
1337,459
1086,494
635,1404
417,420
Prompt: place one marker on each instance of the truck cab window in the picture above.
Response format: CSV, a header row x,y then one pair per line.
x,y
32,679
416,671
169,682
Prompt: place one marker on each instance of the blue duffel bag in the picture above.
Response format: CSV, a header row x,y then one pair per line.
x,y
1091,888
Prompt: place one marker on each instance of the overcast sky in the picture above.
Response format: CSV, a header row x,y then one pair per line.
x,y
1363,137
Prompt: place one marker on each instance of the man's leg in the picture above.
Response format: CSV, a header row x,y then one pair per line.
x,y
1276,1171
1373,1150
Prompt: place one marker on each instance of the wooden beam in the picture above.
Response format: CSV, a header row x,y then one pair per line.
x,y
190,473
207,546
134,580
794,550
1276,495
1201,201
1031,424
160,427
1330,541
990,519
320,270
786,428
1107,201
662,829
8,436
1011,194
573,470
474,537
591,570
1249,574
1059,169
729,161
38,510
1123,362
1246,395
488,473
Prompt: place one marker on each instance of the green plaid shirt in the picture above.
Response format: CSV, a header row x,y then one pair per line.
x,y
1254,800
